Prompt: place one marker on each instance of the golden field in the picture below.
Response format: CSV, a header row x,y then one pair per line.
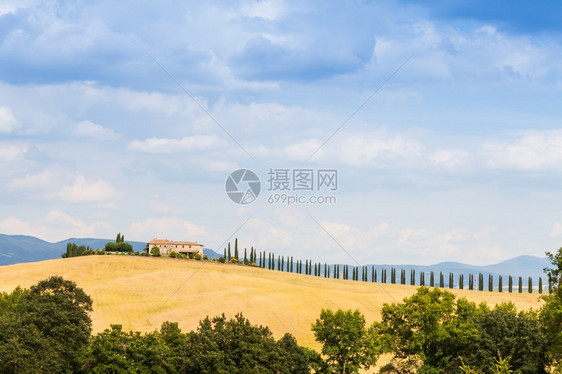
x,y
141,292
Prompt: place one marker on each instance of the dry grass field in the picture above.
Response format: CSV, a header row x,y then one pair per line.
x,y
140,293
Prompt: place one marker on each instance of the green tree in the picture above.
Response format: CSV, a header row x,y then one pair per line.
x,y
555,272
44,329
427,330
346,343
117,351
235,346
155,251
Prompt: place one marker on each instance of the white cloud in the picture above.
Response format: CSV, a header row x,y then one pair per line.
x,y
40,180
171,228
186,144
556,230
534,150
449,158
88,129
7,120
12,152
85,191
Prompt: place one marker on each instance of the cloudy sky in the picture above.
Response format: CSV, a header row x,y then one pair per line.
x,y
443,121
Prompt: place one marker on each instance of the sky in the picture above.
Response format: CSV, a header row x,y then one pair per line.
x,y
441,121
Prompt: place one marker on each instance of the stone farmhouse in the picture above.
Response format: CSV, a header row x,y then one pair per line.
x,y
167,246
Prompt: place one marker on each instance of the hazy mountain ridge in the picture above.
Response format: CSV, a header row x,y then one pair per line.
x,y
22,248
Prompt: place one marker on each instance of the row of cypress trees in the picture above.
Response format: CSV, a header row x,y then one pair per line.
x,y
268,260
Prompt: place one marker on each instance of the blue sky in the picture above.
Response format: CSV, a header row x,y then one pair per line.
x,y
457,158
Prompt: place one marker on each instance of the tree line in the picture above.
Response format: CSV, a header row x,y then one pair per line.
x,y
270,261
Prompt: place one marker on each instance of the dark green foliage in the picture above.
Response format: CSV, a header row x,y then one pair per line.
x,y
155,251
480,282
43,329
451,281
441,280
120,238
118,247
530,285
402,276
505,332
235,346
430,332
346,343
245,256
116,351
74,250
520,285
422,279
461,281
413,277
500,284
490,282
510,285
431,279
471,282
540,284
555,272
229,254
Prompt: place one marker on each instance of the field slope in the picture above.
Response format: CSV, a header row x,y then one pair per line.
x,y
140,293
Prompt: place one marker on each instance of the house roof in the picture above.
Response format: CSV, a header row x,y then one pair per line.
x,y
156,241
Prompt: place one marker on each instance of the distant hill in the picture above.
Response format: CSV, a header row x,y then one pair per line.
x,y
522,266
130,290
16,249
20,248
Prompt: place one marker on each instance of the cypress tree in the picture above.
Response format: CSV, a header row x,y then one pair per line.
x,y
461,281
431,279
510,284
480,282
413,277
520,285
402,276
422,278
441,280
224,255
550,288
530,285
228,251
471,282
500,284
236,248
373,278
540,285
490,282
245,256
375,275
291,264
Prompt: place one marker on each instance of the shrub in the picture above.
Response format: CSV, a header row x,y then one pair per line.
x,y
222,260
173,254
155,251
145,254
234,260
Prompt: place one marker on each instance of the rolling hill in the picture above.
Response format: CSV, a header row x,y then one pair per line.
x,y
142,292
